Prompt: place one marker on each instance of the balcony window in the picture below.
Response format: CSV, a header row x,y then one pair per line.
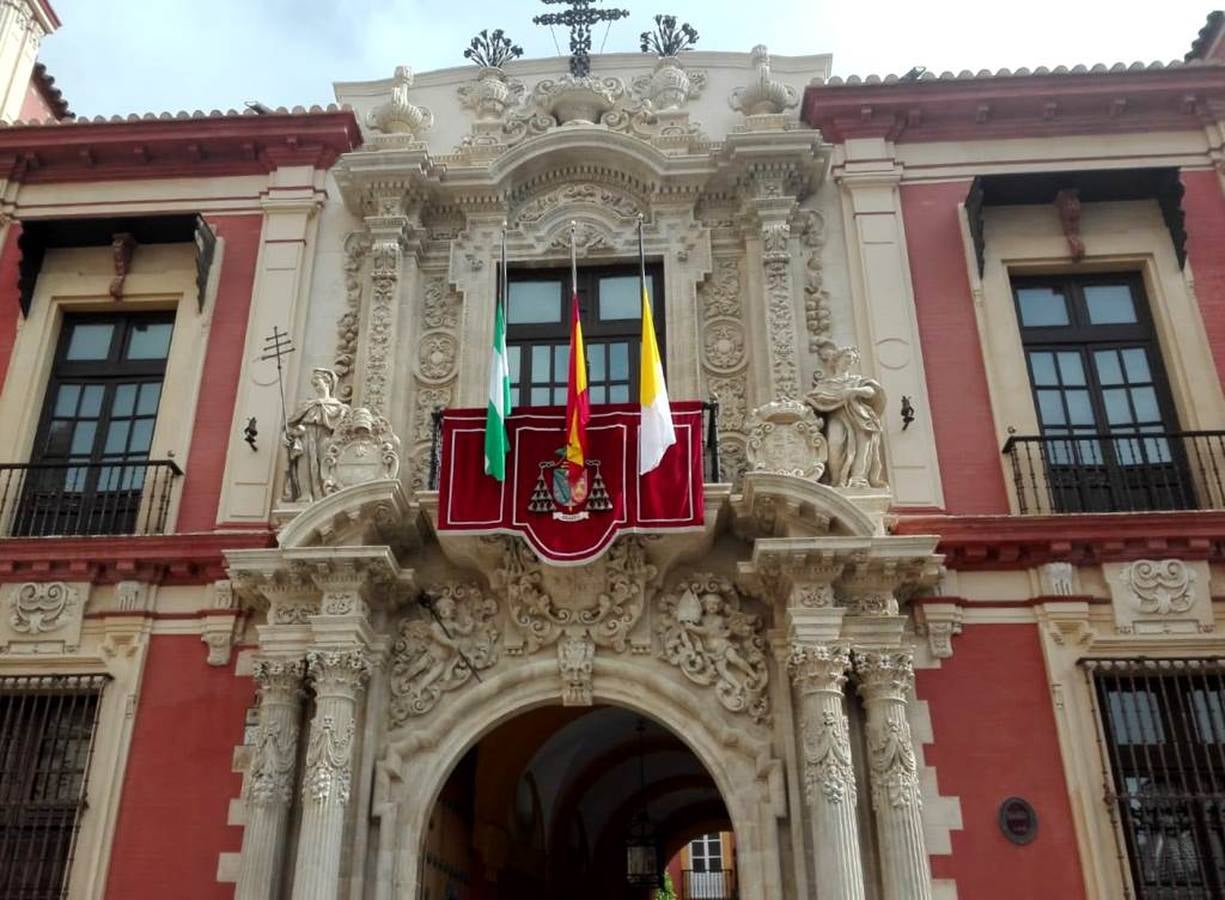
x,y
90,471
1109,439
538,332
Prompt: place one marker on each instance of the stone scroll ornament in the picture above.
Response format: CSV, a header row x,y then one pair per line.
x,y
39,607
435,655
852,406
703,632
307,435
1162,587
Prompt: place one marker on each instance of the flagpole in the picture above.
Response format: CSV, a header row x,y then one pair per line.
x,y
573,259
504,271
642,260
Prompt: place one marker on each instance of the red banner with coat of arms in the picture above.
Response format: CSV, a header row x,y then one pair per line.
x,y
568,520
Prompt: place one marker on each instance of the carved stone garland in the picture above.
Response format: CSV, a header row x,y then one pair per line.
x,y
780,320
817,315
432,656
384,279
437,363
725,368
703,632
357,245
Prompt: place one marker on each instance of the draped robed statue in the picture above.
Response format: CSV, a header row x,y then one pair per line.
x,y
306,437
852,406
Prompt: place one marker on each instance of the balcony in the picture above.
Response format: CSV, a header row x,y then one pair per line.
x,y
69,499
1104,472
719,884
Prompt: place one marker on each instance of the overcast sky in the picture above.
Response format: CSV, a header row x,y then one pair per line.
x,y
122,56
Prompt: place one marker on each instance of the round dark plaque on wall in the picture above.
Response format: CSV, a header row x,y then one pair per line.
x,y
1018,820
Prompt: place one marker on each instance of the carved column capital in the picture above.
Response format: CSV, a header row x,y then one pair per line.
x,y
279,678
340,673
819,667
885,674
870,586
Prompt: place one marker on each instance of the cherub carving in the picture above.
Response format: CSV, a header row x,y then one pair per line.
x,y
852,406
440,652
714,643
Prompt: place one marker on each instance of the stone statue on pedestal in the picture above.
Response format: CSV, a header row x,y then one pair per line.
x,y
852,406
307,434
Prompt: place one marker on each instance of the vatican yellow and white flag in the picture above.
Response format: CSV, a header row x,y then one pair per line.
x,y
656,433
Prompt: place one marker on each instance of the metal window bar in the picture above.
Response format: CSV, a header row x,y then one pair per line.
x,y
715,884
1136,471
47,726
1162,737
86,498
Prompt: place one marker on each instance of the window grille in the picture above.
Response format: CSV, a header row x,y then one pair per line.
x,y
1163,743
47,728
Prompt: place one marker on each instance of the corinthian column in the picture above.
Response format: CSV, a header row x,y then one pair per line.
x,y
339,677
819,673
269,787
886,679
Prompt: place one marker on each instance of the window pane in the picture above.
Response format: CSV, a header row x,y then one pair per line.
x,y
534,302
149,341
540,396
513,362
619,393
91,400
1145,401
541,373
559,396
59,437
1118,410
1042,307
142,437
117,437
598,393
595,363
1043,365
618,361
150,393
83,438
621,297
1110,304
561,362
1108,369
1134,718
1080,411
125,400
514,398
1135,362
1071,369
90,341
66,399
1050,406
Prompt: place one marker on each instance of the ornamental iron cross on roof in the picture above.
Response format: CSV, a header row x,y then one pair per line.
x,y
579,20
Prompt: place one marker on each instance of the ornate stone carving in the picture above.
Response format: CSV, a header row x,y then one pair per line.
x,y
133,596
307,434
670,86
329,755
439,310
491,94
818,668
575,660
852,406
765,95
581,193
1161,587
398,115
357,245
720,294
729,390
384,278
274,751
780,319
584,98
39,607
1067,202
885,681
588,237
817,315
614,588
703,632
723,345
1057,579
363,448
338,672
785,439
436,352
432,656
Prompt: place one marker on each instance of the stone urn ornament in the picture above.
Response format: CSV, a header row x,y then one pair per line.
x,y
492,92
670,85
399,115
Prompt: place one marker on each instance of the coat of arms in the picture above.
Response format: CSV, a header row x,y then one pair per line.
x,y
571,493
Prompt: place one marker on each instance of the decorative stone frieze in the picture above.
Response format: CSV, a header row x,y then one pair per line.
x,y
441,650
387,256
357,246
1166,596
703,632
42,616
886,680
780,317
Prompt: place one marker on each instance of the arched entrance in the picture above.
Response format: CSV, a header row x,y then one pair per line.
x,y
543,804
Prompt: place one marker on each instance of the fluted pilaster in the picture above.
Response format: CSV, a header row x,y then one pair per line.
x,y
339,677
819,673
268,791
886,679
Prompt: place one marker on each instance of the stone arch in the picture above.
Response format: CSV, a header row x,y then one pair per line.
x,y
418,759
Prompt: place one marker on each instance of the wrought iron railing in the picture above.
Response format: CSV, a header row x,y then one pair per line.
x,y
1116,472
66,499
719,884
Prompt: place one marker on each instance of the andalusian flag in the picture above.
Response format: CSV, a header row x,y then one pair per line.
x,y
499,389
655,430
578,408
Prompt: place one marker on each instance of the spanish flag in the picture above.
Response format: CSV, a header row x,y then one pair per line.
x,y
578,407
656,432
